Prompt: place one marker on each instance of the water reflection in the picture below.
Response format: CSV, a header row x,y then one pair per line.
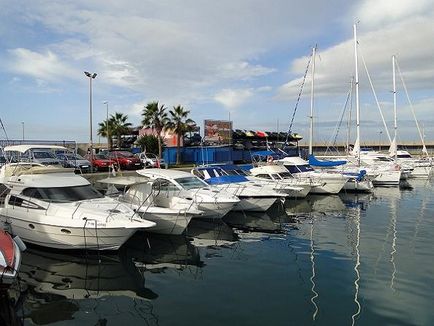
x,y
355,213
8,309
210,232
261,222
61,285
158,252
314,204
312,278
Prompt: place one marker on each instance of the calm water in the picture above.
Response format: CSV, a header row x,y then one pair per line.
x,y
348,259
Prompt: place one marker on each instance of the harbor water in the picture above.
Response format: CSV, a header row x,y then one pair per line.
x,y
326,260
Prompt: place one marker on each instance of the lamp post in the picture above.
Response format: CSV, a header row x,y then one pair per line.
x,y
22,127
90,76
107,125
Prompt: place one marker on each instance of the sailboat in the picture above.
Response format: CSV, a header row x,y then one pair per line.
x,y
382,171
331,174
418,168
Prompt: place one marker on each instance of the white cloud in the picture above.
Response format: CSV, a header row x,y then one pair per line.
x,y
375,13
243,70
233,98
335,65
41,66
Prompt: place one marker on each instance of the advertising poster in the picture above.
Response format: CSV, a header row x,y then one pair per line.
x,y
218,132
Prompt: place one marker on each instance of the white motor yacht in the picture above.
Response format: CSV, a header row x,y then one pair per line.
x,y
53,207
421,168
254,196
289,188
383,170
183,187
330,183
283,179
171,216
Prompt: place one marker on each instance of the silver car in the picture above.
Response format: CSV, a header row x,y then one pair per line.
x,y
70,160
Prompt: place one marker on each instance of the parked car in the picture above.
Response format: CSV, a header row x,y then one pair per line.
x,y
76,161
100,162
42,156
150,160
125,160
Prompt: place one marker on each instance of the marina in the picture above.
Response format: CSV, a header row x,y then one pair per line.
x,y
366,253
216,163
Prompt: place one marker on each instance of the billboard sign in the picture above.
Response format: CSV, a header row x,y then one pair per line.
x,y
218,132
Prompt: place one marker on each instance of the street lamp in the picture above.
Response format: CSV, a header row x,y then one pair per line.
x,y
90,76
107,125
22,127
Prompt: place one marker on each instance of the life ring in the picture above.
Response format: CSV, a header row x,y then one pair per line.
x,y
270,159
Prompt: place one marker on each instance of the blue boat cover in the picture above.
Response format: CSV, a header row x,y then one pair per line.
x,y
315,162
225,179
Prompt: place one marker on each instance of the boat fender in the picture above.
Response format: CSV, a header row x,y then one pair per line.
x,y
362,173
20,243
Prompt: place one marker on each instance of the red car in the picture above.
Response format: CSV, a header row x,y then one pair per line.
x,y
100,162
125,160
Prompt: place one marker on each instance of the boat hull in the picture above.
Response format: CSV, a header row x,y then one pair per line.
x,y
215,210
171,224
69,237
255,204
329,186
421,172
9,275
387,178
358,186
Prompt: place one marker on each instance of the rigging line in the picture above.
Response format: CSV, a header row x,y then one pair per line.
x,y
376,99
339,123
4,129
411,107
298,99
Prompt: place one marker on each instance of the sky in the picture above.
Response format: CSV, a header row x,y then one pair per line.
x,y
244,60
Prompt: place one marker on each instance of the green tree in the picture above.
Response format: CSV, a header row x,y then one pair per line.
x,y
148,143
180,124
155,117
103,131
120,126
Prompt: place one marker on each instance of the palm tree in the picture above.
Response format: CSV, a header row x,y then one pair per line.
x,y
155,117
106,130
120,126
179,124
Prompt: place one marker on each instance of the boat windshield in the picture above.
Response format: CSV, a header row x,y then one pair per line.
x,y
63,194
39,155
191,183
299,168
285,175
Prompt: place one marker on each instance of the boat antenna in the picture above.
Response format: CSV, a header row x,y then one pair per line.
x,y
298,100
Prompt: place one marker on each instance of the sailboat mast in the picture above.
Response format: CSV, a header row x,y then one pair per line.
x,y
312,101
395,123
356,81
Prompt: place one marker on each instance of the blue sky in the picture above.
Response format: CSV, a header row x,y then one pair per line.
x,y
241,57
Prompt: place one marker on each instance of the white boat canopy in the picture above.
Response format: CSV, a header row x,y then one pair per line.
x,y
24,148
